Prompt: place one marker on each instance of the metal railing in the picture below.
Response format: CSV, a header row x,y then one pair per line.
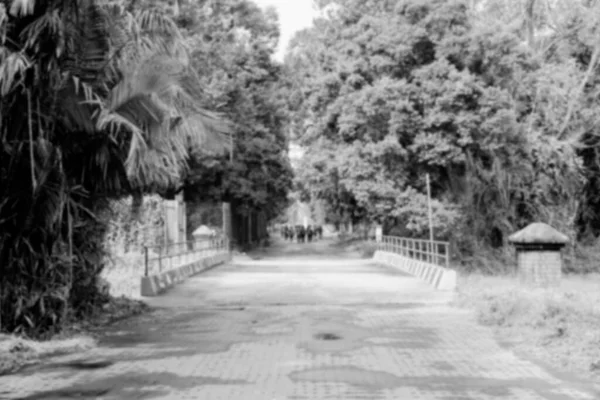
x,y
161,258
433,252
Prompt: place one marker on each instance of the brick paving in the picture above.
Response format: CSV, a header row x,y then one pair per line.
x,y
254,329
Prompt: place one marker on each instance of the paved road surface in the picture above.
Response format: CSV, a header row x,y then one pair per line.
x,y
301,323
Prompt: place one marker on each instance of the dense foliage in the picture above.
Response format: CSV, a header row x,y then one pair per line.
x,y
495,100
98,100
232,44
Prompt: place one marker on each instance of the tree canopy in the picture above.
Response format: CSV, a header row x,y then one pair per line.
x,y
500,115
232,44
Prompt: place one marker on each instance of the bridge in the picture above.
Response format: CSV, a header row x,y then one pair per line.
x,y
304,321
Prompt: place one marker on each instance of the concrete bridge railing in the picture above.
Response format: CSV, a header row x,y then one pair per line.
x,y
166,266
426,260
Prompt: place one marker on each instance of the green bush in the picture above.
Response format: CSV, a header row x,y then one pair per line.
x,y
368,249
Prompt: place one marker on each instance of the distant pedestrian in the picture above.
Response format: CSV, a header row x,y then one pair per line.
x,y
289,233
319,231
300,232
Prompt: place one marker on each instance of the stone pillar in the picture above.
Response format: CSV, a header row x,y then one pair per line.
x,y
539,257
379,233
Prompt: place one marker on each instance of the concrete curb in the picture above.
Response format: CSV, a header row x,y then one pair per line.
x,y
154,285
436,276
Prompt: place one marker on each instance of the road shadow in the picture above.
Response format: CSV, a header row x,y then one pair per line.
x,y
326,248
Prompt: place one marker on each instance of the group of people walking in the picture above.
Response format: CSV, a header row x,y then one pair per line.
x,y
302,234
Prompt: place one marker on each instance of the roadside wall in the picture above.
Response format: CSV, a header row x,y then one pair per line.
x,y
436,276
153,285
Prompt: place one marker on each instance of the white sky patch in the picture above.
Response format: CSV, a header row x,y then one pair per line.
x,y
296,153
294,15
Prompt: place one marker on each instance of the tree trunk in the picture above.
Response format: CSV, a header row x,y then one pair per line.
x,y
580,90
529,23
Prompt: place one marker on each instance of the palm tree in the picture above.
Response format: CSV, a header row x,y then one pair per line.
x,y
97,101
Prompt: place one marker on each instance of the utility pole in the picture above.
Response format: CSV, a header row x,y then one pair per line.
x,y
429,209
227,217
430,251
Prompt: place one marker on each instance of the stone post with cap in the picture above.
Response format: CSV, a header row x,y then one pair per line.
x,y
539,257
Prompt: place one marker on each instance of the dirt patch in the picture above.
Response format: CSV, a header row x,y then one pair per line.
x,y
350,375
458,385
327,336
134,384
443,366
560,327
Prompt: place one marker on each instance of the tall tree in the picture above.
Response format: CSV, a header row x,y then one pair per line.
x,y
385,92
234,42
97,101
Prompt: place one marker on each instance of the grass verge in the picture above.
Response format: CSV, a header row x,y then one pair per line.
x,y
559,326
79,336
17,352
357,245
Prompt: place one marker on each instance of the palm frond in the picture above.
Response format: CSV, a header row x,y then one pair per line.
x,y
47,24
115,123
154,21
22,8
207,130
165,35
12,69
156,74
90,41
153,167
77,99
3,20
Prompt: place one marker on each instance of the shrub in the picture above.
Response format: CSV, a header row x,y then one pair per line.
x,y
367,249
